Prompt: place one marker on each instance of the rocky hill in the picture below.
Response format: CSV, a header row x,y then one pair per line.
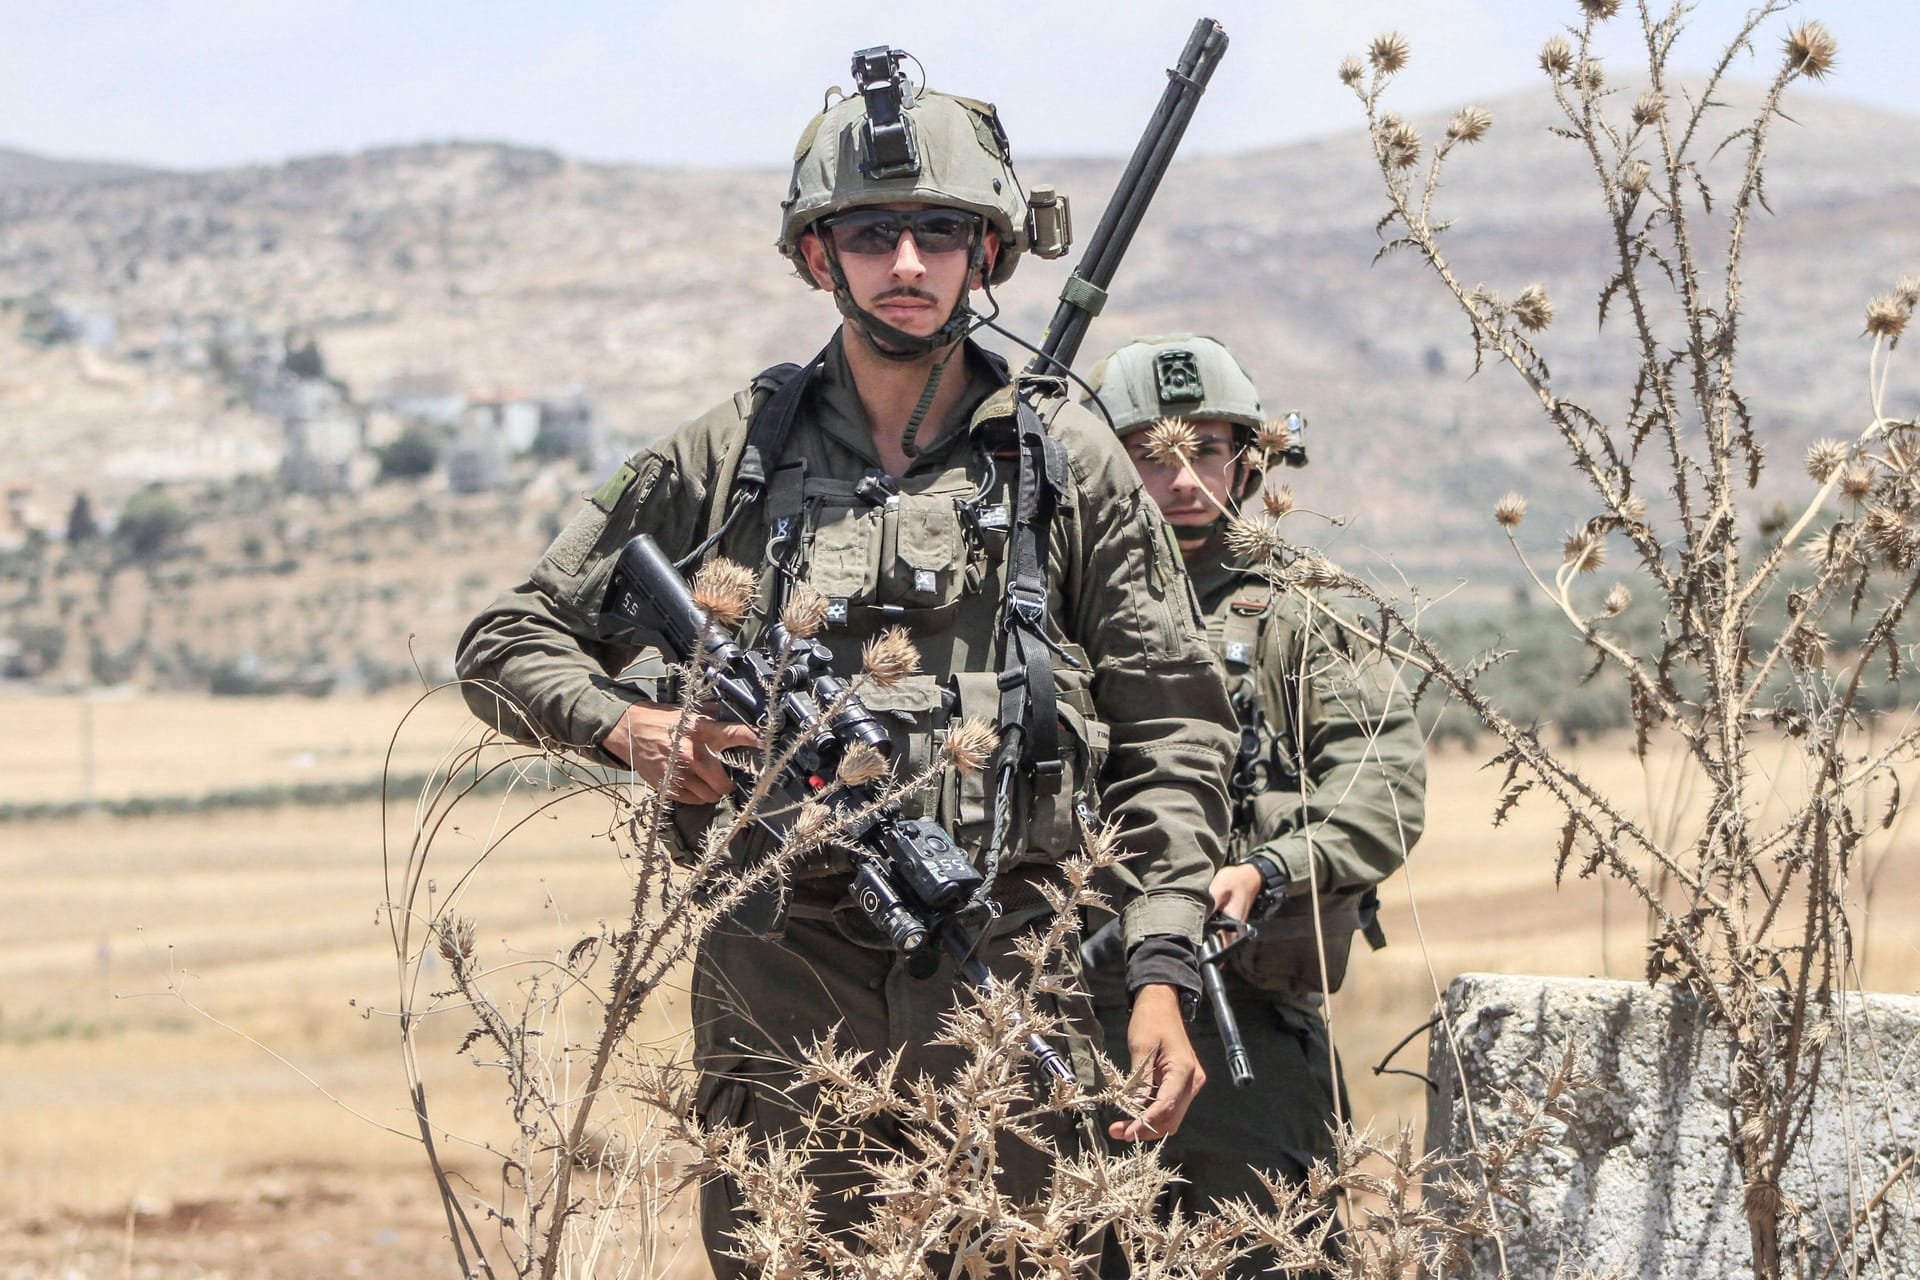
x,y
29,169
659,291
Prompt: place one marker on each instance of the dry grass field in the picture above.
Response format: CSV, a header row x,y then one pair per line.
x,y
200,1061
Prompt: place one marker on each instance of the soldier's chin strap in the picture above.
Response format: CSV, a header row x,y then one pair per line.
x,y
888,342
901,347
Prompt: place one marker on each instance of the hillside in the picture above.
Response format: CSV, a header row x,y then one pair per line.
x,y
658,291
29,169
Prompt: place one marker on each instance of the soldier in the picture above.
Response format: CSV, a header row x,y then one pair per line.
x,y
908,479
1328,786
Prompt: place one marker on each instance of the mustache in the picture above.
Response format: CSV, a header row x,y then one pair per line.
x,y
906,291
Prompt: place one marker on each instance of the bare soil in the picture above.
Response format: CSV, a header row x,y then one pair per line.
x,y
196,1010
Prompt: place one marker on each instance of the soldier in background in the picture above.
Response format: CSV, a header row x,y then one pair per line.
x,y
1328,788
887,488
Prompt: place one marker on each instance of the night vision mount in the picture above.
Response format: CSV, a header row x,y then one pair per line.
x,y
1294,454
889,149
887,137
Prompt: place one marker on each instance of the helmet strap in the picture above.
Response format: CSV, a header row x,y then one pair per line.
x,y
900,346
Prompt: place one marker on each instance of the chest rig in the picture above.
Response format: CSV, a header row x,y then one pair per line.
x,y
1293,955
881,552
1263,762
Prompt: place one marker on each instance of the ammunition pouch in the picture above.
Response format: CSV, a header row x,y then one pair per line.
x,y
882,558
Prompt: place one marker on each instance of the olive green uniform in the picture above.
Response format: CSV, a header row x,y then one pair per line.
x,y
1345,820
1147,725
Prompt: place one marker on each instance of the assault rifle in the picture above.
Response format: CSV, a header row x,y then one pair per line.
x,y
1085,292
911,879
1104,948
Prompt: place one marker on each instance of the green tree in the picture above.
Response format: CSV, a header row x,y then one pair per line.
x,y
42,645
305,360
81,525
150,522
416,453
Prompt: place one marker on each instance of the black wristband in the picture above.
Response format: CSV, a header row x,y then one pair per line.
x,y
1170,960
1273,885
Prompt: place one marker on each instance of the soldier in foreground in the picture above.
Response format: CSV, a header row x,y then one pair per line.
x,y
881,475
1329,785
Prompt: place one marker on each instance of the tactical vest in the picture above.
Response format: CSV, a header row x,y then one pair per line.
x,y
960,559
1285,955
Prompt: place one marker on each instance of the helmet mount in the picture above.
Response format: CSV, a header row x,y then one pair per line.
x,y
894,141
887,136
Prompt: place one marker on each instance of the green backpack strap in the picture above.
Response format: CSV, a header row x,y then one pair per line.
x,y
774,398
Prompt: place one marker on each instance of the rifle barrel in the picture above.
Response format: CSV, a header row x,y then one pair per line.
x,y
1239,1063
1135,191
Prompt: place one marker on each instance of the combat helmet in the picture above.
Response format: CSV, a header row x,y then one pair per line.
x,y
1191,377
893,142
1181,375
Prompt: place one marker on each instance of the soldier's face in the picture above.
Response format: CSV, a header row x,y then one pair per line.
x,y
1191,497
910,288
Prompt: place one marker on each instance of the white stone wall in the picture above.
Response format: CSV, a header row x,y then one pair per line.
x,y
1646,1182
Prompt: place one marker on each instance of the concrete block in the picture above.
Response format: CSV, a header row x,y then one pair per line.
x,y
1645,1182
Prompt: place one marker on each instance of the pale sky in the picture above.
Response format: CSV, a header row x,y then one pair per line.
x,y
211,83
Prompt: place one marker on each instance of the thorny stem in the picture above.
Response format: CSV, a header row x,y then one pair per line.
x,y
1736,887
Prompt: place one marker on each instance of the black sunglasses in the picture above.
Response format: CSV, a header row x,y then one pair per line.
x,y
879,230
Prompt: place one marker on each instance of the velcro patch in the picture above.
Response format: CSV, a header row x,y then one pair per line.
x,y
608,494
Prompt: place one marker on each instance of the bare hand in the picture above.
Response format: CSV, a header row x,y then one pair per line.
x,y
1234,889
1157,1037
644,739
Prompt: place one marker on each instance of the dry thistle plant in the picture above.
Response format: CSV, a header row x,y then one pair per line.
x,y
591,1173
1171,442
1749,914
609,1140
890,657
605,1138
587,1181
725,590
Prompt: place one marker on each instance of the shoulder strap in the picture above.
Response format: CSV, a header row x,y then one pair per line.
x,y
772,424
1027,696
1259,765
775,394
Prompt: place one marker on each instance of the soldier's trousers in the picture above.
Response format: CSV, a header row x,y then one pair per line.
x,y
1279,1123
758,1003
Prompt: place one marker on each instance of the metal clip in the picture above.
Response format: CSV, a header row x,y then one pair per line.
x,y
1029,605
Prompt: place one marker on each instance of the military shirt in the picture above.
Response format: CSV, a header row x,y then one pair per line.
x,y
1139,693
1348,801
